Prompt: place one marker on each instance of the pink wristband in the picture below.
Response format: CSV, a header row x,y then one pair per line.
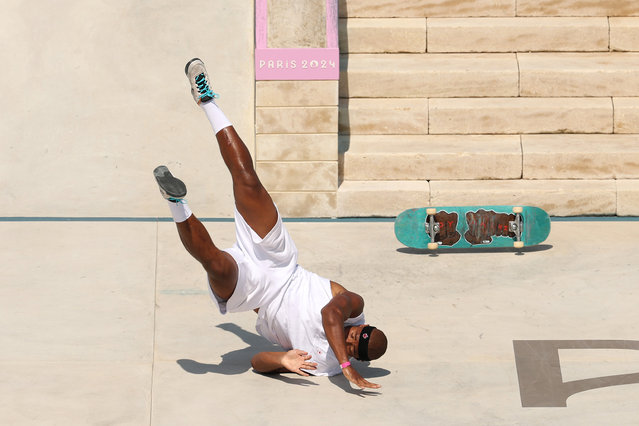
x,y
346,364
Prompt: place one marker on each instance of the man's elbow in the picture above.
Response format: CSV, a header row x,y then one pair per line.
x,y
331,315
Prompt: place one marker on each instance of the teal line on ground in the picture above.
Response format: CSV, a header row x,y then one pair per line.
x,y
302,220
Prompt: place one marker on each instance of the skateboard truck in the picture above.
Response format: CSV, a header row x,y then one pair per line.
x,y
432,228
515,227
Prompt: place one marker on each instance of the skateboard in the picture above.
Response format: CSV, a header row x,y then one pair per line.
x,y
472,227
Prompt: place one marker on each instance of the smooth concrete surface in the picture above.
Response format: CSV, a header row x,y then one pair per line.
x,y
94,97
110,323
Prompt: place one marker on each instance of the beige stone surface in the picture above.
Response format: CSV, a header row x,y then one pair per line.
x,y
382,35
200,367
517,34
298,175
72,302
520,115
425,8
429,75
92,104
557,197
293,147
75,393
306,204
294,23
577,8
380,198
624,34
387,116
581,156
626,115
432,157
296,120
296,93
628,197
579,74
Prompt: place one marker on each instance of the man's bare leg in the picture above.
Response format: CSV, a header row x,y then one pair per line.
x,y
251,198
219,265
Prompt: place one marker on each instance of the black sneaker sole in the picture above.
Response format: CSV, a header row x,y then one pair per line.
x,y
173,186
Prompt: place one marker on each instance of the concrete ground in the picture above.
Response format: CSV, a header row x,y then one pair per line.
x,y
110,323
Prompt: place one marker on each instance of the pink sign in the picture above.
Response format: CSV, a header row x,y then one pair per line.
x,y
296,64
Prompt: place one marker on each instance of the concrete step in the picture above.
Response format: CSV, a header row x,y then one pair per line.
x,y
429,75
381,35
380,198
626,115
520,115
383,116
424,8
580,156
412,157
624,34
557,197
579,74
577,8
517,34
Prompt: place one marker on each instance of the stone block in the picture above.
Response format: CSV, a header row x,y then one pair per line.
x,y
292,147
520,115
296,120
517,34
388,116
581,156
380,198
294,23
382,35
296,93
628,197
425,8
624,34
432,157
298,175
577,8
429,75
579,74
557,197
626,115
306,204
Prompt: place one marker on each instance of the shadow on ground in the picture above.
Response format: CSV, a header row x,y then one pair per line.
x,y
239,361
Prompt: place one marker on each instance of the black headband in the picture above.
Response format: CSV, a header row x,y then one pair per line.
x,y
364,339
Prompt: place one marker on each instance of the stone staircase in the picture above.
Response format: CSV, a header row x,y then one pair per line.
x,y
489,102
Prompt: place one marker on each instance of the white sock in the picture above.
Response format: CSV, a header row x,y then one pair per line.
x,y
180,210
215,115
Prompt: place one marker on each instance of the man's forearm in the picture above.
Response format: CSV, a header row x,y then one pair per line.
x,y
333,324
268,362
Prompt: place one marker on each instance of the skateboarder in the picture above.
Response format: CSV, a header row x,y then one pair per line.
x,y
318,322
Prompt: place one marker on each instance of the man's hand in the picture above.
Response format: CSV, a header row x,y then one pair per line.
x,y
295,359
354,377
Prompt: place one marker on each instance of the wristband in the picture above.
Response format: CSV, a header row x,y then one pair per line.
x,y
346,364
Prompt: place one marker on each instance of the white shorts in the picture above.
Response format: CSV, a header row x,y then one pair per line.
x,y
264,266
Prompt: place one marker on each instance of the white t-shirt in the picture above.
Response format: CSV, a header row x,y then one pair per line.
x,y
294,320
290,298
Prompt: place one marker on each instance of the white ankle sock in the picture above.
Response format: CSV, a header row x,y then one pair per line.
x,y
180,211
215,115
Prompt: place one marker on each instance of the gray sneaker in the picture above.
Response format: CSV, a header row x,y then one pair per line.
x,y
199,79
171,188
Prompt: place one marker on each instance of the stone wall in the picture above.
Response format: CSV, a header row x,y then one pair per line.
x,y
489,102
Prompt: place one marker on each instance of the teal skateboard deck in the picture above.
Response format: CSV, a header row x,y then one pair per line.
x,y
472,227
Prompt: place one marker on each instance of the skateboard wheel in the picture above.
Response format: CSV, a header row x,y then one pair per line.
x,y
431,211
433,246
518,244
518,209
